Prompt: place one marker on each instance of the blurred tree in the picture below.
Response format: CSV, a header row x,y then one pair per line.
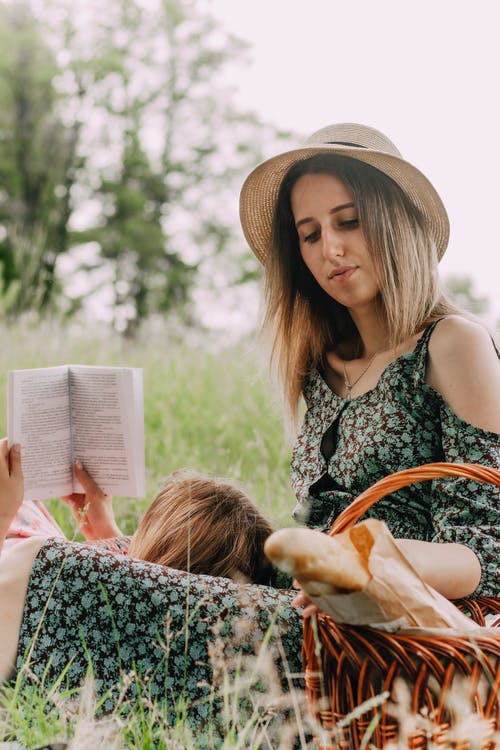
x,y
130,143
37,164
460,289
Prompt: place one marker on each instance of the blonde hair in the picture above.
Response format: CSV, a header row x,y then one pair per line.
x,y
204,525
306,322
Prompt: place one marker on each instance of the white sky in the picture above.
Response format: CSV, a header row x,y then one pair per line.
x,y
425,72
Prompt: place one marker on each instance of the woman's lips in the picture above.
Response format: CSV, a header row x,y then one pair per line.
x,y
342,273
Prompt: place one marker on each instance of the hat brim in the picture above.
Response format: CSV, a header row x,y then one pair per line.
x,y
260,192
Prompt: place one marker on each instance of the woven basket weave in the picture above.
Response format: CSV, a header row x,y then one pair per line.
x,y
347,665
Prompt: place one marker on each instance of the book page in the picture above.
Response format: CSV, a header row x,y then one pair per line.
x,y
39,419
108,426
138,431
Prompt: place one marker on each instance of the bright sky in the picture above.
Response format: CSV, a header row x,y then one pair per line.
x,y
426,73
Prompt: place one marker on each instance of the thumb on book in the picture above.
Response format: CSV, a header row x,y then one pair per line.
x,y
86,480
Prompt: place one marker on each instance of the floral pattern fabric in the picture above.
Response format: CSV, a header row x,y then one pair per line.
x,y
33,519
346,446
87,606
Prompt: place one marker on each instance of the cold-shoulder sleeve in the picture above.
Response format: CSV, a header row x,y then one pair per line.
x,y
464,511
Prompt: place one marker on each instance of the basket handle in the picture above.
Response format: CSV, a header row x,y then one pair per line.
x,y
394,482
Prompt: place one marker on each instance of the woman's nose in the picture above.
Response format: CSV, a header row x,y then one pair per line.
x,y
332,245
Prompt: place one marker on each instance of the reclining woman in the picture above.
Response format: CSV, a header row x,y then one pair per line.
x,y
125,608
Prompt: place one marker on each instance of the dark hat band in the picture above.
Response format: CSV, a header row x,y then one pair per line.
x,y
344,143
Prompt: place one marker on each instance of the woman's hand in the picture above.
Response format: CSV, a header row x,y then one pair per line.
x,y
302,600
92,509
11,485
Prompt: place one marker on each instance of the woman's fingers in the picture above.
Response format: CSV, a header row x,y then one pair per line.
x,y
303,602
84,478
75,500
88,484
10,459
15,468
310,610
78,504
4,455
11,481
92,509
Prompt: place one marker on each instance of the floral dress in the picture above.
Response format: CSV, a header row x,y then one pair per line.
x,y
346,446
33,519
158,634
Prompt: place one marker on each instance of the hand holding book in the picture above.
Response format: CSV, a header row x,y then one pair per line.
x,y
92,509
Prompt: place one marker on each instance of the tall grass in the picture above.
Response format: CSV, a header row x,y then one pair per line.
x,y
207,406
255,713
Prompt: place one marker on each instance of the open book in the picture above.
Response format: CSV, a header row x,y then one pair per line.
x,y
78,412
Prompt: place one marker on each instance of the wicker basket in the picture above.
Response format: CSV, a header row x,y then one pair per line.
x,y
347,665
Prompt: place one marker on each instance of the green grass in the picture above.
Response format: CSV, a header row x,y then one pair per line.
x,y
35,714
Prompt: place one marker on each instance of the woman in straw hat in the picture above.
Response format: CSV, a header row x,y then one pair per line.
x,y
392,374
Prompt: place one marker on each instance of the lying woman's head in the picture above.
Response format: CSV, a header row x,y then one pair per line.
x,y
204,525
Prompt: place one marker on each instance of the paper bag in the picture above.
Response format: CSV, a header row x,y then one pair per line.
x,y
361,577
395,597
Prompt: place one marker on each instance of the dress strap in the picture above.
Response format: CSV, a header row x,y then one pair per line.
x,y
421,351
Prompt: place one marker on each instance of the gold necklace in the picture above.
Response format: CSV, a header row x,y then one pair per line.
x,y
348,385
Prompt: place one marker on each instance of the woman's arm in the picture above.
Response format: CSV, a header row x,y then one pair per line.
x,y
452,569
464,369
11,486
92,509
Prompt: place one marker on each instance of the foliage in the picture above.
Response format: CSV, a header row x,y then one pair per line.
x,y
121,155
257,712
461,291
34,199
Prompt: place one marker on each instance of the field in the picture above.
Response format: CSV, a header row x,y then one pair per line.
x,y
211,408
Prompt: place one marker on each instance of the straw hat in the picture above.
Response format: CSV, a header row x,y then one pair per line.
x,y
260,189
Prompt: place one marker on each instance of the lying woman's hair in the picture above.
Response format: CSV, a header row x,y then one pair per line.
x,y
305,321
205,525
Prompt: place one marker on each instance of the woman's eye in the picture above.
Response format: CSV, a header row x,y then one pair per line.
x,y
312,236
350,224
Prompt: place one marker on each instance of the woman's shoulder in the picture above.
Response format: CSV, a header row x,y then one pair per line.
x,y
464,368
458,336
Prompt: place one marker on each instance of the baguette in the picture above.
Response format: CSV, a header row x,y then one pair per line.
x,y
323,564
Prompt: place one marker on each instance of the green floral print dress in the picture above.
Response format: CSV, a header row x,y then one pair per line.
x,y
346,446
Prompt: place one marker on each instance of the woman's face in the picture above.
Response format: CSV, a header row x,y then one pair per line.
x,y
331,242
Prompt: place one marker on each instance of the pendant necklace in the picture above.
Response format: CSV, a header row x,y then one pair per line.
x,y
347,383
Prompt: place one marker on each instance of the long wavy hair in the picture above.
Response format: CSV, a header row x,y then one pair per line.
x,y
205,525
304,320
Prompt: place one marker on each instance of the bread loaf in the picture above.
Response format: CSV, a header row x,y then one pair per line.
x,y
320,563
